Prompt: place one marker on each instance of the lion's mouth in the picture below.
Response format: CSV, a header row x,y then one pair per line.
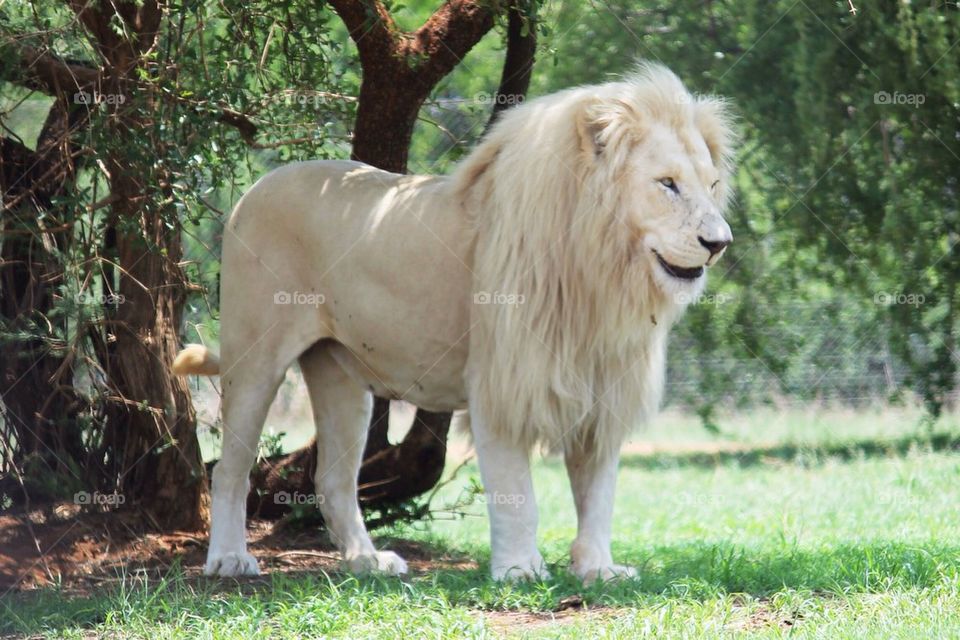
x,y
681,273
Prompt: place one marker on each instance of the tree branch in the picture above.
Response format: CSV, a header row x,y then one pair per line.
x,y
40,70
430,52
141,19
447,36
370,25
41,175
248,130
518,62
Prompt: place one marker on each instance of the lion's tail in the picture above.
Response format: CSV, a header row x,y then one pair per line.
x,y
196,359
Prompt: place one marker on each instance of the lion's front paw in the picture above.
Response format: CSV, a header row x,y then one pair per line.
x,y
604,573
386,562
532,569
231,565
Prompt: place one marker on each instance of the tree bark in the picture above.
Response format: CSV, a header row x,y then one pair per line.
x,y
401,69
151,420
40,406
151,431
386,115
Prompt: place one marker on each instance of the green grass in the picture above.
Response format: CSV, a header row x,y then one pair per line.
x,y
805,538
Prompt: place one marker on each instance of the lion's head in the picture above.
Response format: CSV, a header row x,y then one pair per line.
x,y
601,209
669,154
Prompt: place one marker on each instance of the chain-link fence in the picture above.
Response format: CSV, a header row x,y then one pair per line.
x,y
839,356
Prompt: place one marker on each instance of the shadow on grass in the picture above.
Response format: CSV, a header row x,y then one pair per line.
x,y
811,454
688,572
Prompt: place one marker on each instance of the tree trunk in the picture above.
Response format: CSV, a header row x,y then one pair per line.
x,y
386,115
151,420
152,423
151,432
39,404
40,407
391,474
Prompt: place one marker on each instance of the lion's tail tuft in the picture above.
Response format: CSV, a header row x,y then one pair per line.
x,y
196,359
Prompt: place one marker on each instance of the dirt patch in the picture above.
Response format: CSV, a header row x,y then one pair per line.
x,y
503,622
763,616
82,550
569,610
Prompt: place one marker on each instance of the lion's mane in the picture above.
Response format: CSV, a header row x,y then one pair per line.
x,y
568,332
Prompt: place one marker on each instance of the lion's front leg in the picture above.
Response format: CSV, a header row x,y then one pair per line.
x,y
593,480
511,505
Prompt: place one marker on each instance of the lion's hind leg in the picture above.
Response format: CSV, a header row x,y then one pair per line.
x,y
341,412
248,390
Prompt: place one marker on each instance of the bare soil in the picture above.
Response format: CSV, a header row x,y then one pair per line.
x,y
81,550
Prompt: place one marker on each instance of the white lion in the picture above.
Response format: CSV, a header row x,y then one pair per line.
x,y
535,286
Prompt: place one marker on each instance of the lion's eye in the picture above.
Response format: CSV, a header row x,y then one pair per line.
x,y
670,184
714,185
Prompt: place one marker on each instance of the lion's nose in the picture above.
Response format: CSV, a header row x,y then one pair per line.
x,y
715,246
715,234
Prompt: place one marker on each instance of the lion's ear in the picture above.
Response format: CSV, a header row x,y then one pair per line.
x,y
591,121
715,123
601,122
